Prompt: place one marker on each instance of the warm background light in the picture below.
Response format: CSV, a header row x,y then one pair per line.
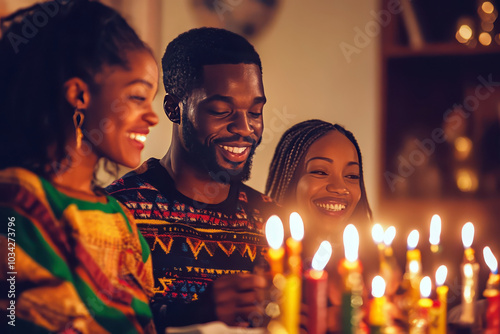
x,y
322,256
464,33
463,145
467,180
487,7
485,38
275,232
351,243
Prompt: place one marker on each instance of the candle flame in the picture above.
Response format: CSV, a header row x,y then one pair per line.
x,y
467,234
413,239
441,274
378,286
435,233
468,272
389,235
322,256
425,287
378,233
296,226
490,259
351,243
274,232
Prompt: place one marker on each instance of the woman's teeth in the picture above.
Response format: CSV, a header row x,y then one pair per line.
x,y
137,136
331,207
234,149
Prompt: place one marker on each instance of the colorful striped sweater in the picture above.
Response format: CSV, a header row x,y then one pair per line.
x,y
71,266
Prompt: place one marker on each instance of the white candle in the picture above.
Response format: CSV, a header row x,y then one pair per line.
x,y
470,272
435,233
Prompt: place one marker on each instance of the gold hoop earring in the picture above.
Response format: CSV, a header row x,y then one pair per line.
x,y
78,117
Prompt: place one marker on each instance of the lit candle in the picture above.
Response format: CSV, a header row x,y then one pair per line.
x,y
350,270
413,257
435,233
388,264
316,290
275,235
425,291
470,272
411,279
377,316
492,293
419,318
294,243
439,310
293,287
424,304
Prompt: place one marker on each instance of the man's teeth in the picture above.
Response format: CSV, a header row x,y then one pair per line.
x,y
137,136
234,149
332,207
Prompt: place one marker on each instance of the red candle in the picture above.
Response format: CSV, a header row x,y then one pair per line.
x,y
492,293
316,290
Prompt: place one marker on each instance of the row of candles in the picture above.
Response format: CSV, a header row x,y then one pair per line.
x,y
424,314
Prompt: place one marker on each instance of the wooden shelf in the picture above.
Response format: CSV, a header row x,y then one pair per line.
x,y
418,88
439,50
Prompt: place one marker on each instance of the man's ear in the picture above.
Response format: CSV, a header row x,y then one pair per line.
x,y
77,93
173,108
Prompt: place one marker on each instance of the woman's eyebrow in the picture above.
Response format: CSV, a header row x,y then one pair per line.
x,y
319,158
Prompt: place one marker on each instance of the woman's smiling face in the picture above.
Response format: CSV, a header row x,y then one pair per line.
x,y
328,184
120,113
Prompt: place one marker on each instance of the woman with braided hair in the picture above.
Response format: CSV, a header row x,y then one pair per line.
x,y
317,170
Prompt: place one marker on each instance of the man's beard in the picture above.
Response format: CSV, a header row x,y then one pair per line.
x,y
206,155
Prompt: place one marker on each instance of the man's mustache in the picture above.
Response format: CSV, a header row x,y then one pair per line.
x,y
236,138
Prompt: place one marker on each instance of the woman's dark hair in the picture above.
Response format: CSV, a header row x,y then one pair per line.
x,y
290,152
41,48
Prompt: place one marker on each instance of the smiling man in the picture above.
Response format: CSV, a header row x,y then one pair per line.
x,y
204,226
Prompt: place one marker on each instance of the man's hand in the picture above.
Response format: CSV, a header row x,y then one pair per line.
x,y
239,299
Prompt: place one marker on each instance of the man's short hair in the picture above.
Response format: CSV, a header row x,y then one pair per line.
x,y
186,55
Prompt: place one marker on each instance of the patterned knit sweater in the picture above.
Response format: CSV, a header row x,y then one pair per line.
x,y
192,243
